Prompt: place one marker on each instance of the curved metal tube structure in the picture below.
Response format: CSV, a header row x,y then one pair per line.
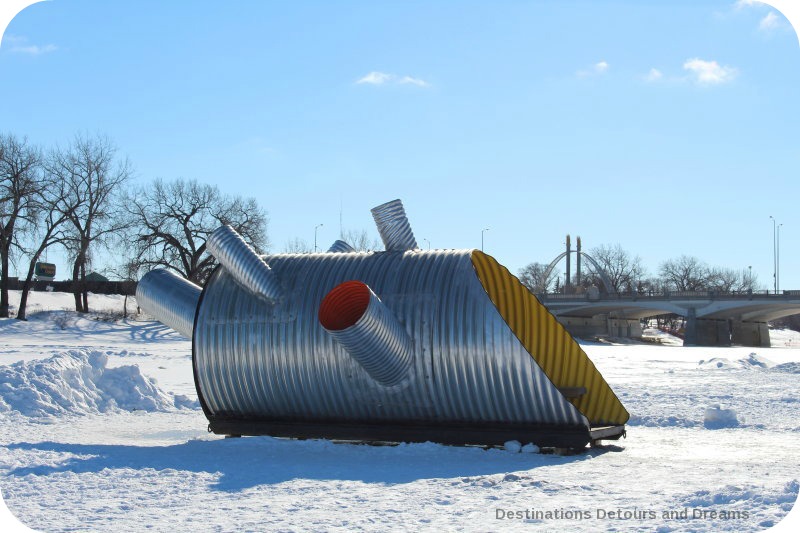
x,y
238,258
169,298
393,227
339,246
402,345
357,319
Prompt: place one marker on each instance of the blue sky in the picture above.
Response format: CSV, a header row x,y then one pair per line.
x,y
667,127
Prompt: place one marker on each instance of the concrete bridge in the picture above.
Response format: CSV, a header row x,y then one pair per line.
x,y
713,318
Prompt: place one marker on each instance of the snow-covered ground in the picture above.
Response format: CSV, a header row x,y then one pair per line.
x,y
101,431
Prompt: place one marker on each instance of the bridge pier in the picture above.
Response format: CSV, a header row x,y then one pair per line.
x,y
601,326
705,331
750,333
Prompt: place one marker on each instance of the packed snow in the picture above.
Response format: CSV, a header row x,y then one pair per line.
x,y
717,418
78,381
102,431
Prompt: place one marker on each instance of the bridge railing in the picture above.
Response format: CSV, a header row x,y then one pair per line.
x,y
670,295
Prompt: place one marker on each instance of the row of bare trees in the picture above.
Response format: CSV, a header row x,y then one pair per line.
x,y
623,272
79,197
360,240
62,197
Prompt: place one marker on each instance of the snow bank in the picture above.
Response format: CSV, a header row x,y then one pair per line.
x,y
78,381
750,362
718,418
789,368
754,496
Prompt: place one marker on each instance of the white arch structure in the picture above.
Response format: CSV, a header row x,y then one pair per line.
x,y
600,272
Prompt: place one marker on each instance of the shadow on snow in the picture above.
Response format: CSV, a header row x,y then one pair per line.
x,y
253,461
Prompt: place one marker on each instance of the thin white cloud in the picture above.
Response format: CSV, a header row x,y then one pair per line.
x,y
654,75
34,50
597,69
746,3
381,78
709,72
376,78
412,81
770,22
19,45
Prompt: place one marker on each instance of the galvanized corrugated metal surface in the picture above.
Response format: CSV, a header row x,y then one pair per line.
x,y
340,246
556,352
273,360
238,258
376,339
169,298
394,227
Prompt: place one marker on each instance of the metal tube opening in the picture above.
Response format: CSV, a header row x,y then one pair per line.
x,y
368,330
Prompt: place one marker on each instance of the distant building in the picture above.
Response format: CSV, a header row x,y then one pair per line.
x,y
94,276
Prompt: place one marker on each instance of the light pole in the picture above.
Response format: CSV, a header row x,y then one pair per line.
x,y
774,255
315,235
429,242
778,259
482,232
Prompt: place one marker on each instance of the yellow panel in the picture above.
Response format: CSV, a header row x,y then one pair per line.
x,y
554,350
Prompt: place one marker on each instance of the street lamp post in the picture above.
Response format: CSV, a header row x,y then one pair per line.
x,y
315,235
429,242
778,260
774,255
482,232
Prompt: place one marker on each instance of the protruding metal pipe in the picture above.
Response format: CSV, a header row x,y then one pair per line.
x,y
358,320
340,247
170,299
242,262
393,226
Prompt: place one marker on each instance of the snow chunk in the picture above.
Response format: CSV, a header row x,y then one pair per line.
x,y
751,361
77,381
513,446
757,360
184,402
717,362
530,448
718,418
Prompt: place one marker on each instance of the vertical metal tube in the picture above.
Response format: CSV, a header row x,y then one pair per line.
x,y
170,299
368,330
243,263
578,263
569,280
393,227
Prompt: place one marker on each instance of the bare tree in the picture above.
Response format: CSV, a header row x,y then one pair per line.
x,y
533,277
19,181
49,230
171,222
723,279
749,281
128,272
94,179
361,241
624,272
297,246
684,274
651,285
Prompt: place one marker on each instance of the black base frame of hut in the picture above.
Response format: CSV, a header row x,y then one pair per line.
x,y
544,436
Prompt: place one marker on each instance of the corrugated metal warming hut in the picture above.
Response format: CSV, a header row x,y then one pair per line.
x,y
398,345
